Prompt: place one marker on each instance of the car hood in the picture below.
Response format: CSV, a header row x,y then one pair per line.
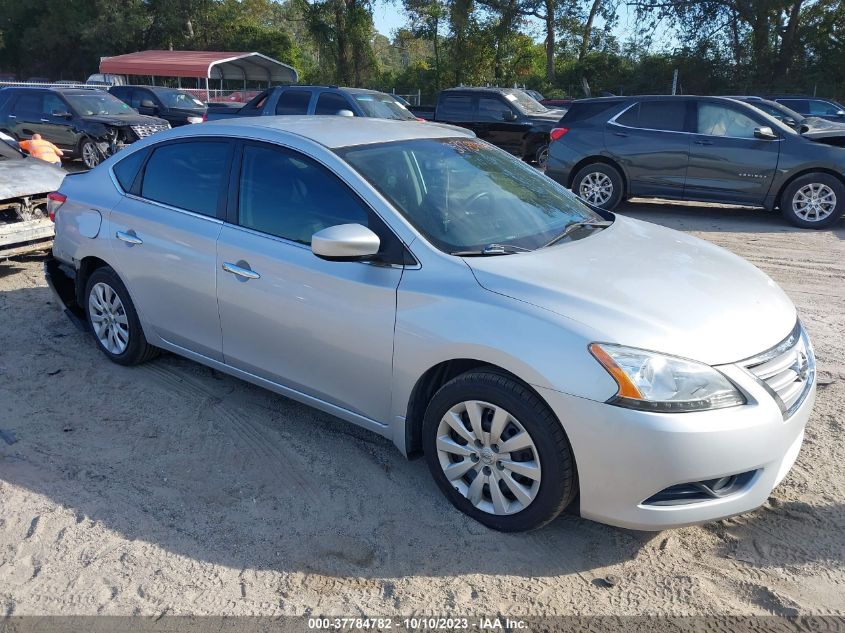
x,y
816,128
28,177
549,118
642,285
125,119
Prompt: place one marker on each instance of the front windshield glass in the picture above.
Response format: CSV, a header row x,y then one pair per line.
x,y
382,107
526,102
97,103
777,110
465,195
180,99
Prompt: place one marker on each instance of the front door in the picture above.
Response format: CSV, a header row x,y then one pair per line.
x,y
727,162
323,328
497,123
651,141
165,240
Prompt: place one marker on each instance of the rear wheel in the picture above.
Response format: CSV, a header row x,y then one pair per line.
x,y
114,321
600,185
814,201
541,156
498,452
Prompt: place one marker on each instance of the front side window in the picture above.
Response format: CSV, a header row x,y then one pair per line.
x,y
823,108
491,109
285,194
799,105
98,103
187,175
465,195
53,104
717,120
293,102
330,103
382,106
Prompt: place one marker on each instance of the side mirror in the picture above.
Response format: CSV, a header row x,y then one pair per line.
x,y
344,112
345,242
765,132
509,115
788,120
840,113
149,104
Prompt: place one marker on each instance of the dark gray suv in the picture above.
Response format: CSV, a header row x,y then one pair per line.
x,y
709,149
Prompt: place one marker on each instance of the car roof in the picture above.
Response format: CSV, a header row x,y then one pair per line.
x,y
483,89
63,90
337,131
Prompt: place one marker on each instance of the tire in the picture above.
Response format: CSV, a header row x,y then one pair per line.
x,y
108,308
89,153
600,185
813,201
448,444
541,156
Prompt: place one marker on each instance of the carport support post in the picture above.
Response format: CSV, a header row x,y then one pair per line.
x,y
207,95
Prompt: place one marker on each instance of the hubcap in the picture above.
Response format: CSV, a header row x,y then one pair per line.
x,y
108,318
596,188
543,156
89,155
488,457
814,202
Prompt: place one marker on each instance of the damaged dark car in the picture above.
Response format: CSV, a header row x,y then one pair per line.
x,y
88,124
811,127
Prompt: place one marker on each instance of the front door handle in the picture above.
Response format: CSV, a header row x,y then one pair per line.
x,y
240,271
130,238
703,142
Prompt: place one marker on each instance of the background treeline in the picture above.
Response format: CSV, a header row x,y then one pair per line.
x,y
718,46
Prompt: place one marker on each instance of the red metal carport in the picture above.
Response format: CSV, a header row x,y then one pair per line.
x,y
202,65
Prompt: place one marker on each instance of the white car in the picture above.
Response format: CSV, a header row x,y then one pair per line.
x,y
431,288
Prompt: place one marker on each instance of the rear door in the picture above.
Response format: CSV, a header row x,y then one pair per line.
x,y
25,114
164,236
457,109
727,162
651,141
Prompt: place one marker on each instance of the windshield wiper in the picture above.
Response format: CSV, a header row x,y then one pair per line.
x,y
577,225
493,249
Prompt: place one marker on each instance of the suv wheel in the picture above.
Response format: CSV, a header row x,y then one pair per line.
x,y
599,184
114,321
814,201
89,153
541,156
498,452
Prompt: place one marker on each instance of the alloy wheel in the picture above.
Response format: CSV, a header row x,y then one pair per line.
x,y
596,188
108,318
543,157
488,457
90,157
814,202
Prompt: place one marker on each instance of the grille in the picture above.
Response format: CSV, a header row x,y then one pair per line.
x,y
142,131
787,371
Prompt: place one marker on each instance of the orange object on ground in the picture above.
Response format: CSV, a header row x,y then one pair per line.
x,y
41,149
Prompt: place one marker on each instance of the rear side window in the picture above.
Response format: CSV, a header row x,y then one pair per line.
x,y
127,169
187,175
293,102
630,117
458,107
583,111
29,102
331,103
491,109
669,116
799,105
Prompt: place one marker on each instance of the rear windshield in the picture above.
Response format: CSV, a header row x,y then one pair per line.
x,y
587,110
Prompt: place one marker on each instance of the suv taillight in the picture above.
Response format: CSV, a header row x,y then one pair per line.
x,y
558,132
54,201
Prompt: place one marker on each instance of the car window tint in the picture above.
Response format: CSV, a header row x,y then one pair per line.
x,y
187,175
663,115
331,103
293,102
582,111
717,120
490,109
29,102
53,103
822,108
127,168
290,196
630,118
458,107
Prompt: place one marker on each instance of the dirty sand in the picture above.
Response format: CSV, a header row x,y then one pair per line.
x,y
172,489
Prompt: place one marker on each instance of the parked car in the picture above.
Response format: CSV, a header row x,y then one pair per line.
x,y
814,128
433,289
298,100
506,117
709,149
177,107
555,103
105,80
812,106
535,95
85,123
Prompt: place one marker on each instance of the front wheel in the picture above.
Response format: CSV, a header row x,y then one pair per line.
x,y
497,452
814,201
89,153
600,185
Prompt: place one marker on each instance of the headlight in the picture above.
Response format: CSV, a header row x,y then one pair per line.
x,y
655,382
194,119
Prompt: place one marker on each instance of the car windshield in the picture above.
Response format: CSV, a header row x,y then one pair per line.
x,y
526,102
777,110
97,103
9,148
180,99
466,195
382,107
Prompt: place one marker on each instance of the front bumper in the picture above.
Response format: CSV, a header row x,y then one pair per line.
x,y
624,457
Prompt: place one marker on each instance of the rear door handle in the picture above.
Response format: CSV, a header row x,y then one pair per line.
x,y
129,238
240,271
703,142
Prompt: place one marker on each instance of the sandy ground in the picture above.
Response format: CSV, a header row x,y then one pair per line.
x,y
169,488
